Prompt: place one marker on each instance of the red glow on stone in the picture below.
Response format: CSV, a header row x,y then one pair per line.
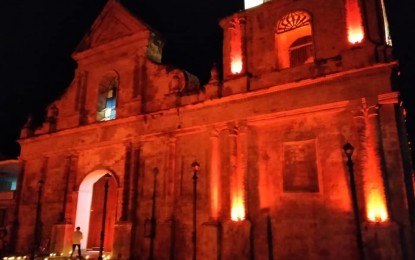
x,y
238,209
376,207
236,48
214,178
237,196
355,32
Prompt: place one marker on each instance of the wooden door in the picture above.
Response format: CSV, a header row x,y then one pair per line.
x,y
97,208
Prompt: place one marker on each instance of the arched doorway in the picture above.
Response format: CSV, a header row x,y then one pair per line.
x,y
90,209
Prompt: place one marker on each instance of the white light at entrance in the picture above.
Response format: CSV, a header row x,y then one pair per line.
x,y
253,3
84,203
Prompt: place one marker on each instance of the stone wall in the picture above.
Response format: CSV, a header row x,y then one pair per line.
x,y
270,140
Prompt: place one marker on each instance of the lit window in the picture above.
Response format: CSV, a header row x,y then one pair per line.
x,y
8,181
301,51
110,102
107,97
293,40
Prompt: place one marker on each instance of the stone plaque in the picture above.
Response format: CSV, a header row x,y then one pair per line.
x,y
300,168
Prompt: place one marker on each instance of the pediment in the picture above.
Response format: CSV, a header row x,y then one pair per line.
x,y
114,22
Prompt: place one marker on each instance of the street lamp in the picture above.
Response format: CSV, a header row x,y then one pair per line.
x,y
195,166
348,150
36,232
153,213
104,214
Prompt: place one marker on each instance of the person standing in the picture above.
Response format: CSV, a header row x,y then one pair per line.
x,y
76,241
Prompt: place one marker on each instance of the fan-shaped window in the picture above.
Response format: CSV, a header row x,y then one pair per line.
x,y
107,97
293,40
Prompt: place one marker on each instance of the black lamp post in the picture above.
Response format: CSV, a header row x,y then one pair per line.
x,y
153,215
36,232
195,166
348,150
104,215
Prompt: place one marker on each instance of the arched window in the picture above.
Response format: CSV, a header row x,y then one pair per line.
x,y
293,40
107,97
301,51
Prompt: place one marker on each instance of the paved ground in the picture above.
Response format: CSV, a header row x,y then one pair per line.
x,y
88,255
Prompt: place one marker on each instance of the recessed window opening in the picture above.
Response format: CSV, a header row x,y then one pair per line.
x,y
301,51
107,97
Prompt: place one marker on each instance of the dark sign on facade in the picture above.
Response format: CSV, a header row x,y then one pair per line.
x,y
300,169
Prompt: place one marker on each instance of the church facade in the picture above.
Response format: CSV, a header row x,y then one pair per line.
x,y
298,152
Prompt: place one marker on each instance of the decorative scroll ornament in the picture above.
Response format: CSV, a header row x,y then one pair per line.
x,y
292,21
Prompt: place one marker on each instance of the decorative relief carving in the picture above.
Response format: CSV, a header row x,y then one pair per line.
x,y
182,82
235,22
177,81
293,21
300,172
155,46
366,110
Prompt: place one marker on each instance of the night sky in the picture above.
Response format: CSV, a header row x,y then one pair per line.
x,y
38,36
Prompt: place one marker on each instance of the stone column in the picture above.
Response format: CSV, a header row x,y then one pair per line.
x,y
121,248
370,162
80,85
171,177
363,151
235,57
380,234
233,131
262,236
242,25
373,181
238,172
210,231
126,183
66,212
397,169
215,170
44,169
19,189
236,238
139,76
61,238
166,240
66,176
134,179
210,238
242,165
61,235
381,240
72,199
80,100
